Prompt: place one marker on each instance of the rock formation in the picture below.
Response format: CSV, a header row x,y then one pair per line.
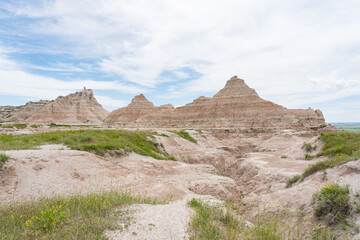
x,y
234,106
75,108
6,112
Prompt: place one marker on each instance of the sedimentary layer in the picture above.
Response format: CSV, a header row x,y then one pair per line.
x,y
235,106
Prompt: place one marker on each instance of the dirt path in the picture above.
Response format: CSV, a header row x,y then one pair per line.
x,y
155,222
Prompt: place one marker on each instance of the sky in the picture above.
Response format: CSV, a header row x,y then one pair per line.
x,y
298,54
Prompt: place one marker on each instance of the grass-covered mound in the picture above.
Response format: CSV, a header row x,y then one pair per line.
x,y
340,147
97,141
74,217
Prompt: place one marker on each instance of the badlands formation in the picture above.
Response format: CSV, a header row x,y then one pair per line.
x,y
234,106
76,108
245,152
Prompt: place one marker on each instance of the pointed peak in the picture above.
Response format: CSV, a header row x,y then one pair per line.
x,y
140,101
235,87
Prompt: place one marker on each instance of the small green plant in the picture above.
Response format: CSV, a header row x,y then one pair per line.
x,y
199,131
284,156
162,134
332,203
34,126
307,146
293,180
3,159
309,156
185,135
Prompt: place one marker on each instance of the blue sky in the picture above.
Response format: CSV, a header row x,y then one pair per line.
x,y
298,54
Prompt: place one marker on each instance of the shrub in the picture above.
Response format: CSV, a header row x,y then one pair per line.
x,y
3,159
283,156
307,146
332,203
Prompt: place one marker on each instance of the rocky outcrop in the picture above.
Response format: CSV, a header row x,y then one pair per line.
x,y
75,108
234,106
6,112
29,109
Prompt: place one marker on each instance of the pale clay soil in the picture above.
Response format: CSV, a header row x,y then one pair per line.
x,y
222,166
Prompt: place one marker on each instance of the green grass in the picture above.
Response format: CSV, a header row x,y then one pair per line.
x,y
69,126
20,126
7,126
3,159
210,222
185,135
355,129
332,203
96,141
340,147
218,222
73,217
34,126
60,125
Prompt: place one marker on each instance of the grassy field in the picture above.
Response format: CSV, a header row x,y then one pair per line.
x,y
74,217
96,141
355,129
340,147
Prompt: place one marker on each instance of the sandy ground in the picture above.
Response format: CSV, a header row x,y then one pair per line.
x,y
156,222
225,166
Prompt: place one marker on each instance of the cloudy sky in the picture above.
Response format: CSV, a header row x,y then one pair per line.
x,y
298,54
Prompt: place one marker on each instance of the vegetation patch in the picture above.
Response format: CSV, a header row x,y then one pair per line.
x,y
74,217
217,222
96,141
185,135
20,126
210,222
332,203
284,156
34,126
340,147
3,159
307,146
355,129
7,126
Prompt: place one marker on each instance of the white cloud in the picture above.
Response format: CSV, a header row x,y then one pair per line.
x,y
16,82
291,52
106,101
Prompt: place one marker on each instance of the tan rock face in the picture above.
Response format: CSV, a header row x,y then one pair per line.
x,y
234,106
75,108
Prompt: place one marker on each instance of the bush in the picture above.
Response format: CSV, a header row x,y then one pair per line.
x,y
307,146
3,159
332,203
